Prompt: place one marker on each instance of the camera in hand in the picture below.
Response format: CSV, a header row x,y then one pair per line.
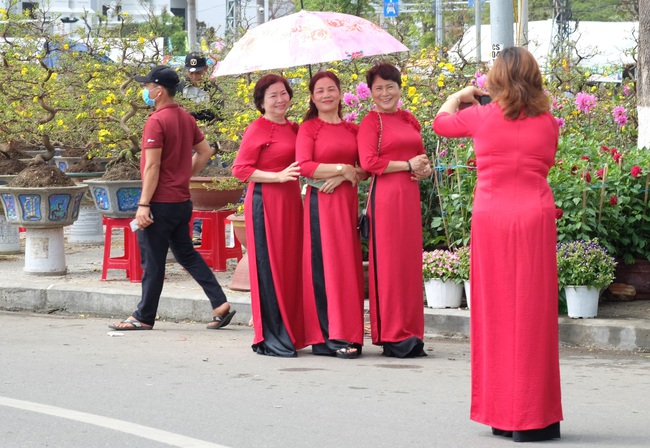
x,y
482,100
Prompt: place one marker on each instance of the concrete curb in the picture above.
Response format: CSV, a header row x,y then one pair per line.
x,y
118,300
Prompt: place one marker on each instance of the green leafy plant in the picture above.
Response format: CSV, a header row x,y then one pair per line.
x,y
584,263
464,254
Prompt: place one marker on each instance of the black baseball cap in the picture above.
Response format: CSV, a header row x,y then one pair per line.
x,y
195,62
162,75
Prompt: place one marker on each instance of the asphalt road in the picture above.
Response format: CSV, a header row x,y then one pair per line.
x,y
70,382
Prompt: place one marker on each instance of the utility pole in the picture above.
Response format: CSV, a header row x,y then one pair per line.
x,y
643,78
260,12
522,23
191,24
439,24
501,19
477,25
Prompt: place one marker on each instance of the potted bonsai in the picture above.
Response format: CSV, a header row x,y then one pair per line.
x,y
584,269
442,283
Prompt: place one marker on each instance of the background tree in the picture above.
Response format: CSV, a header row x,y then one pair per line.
x,y
643,85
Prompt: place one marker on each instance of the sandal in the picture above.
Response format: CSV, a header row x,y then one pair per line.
x,y
134,325
221,321
349,352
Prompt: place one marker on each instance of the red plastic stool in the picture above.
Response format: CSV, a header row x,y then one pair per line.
x,y
213,247
130,261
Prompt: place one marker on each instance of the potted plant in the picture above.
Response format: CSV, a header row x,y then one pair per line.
x,y
463,270
584,269
442,284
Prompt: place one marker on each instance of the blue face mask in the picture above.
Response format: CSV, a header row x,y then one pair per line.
x,y
147,99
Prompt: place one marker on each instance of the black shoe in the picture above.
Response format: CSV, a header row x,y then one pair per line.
x,y
501,432
538,435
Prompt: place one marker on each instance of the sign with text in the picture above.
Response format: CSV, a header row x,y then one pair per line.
x,y
496,49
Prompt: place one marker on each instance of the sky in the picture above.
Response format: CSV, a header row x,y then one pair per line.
x,y
213,12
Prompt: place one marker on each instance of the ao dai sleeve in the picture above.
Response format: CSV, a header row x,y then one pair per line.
x,y
305,143
461,124
367,142
254,139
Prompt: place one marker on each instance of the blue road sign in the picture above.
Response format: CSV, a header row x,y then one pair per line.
x,y
391,8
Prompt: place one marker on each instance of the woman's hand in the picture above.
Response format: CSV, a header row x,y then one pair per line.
x,y
292,172
330,184
419,163
422,174
361,173
469,94
350,173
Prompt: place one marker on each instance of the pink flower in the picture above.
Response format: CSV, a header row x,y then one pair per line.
x,y
560,121
599,173
626,91
635,171
586,176
363,92
559,213
481,79
616,156
585,102
351,117
620,115
556,105
350,99
584,157
613,200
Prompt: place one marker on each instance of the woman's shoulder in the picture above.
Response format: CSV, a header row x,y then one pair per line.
x,y
409,118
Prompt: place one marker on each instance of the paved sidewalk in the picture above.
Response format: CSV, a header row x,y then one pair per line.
x,y
623,326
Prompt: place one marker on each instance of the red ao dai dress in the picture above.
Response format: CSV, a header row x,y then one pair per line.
x,y
395,246
273,214
513,270
332,266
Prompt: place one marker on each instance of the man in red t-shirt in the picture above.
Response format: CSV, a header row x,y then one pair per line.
x,y
166,164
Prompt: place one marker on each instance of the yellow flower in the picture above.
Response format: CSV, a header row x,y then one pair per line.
x,y
412,91
141,40
441,84
66,46
54,75
354,76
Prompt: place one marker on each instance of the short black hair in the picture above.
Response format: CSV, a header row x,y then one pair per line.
x,y
384,71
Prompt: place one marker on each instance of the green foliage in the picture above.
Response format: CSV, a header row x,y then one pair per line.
x,y
78,100
587,10
464,254
584,263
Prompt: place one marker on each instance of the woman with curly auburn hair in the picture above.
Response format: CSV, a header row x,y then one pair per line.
x,y
513,270
326,148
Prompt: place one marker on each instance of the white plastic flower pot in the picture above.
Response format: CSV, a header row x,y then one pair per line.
x,y
442,294
582,301
467,293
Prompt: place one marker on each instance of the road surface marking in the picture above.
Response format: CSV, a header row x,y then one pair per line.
x,y
111,423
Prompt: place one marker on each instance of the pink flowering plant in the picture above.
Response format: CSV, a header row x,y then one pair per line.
x,y
600,178
442,265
